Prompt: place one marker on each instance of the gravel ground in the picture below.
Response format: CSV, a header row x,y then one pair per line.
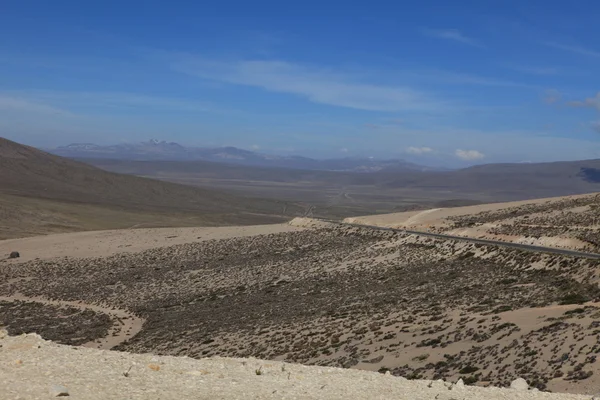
x,y
31,368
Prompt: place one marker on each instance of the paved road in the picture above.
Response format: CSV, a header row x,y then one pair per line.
x,y
527,247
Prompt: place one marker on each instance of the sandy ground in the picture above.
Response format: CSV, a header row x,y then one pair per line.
x,y
30,367
499,224
106,243
435,217
125,324
49,369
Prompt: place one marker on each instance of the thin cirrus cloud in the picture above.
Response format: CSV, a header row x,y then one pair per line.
x,y
552,96
315,84
25,105
52,104
590,102
469,155
115,100
574,49
419,150
542,71
453,35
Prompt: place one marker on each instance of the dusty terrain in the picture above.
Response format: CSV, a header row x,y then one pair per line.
x,y
315,294
337,194
571,222
87,374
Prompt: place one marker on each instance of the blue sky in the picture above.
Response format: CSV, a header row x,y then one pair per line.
x,y
436,82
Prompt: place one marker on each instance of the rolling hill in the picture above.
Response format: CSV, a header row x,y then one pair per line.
x,y
41,192
483,183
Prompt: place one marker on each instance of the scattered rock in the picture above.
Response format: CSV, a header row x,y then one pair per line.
x,y
154,367
519,384
59,391
14,254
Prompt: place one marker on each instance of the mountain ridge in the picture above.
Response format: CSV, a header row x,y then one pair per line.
x,y
157,150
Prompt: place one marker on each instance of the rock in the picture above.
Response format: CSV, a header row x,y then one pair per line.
x,y
154,367
283,279
3,333
59,391
14,254
519,384
460,384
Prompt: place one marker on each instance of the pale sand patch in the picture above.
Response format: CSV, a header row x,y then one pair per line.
x,y
436,217
107,243
129,326
30,367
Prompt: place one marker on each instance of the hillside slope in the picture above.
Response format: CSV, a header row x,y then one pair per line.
x,y
32,181
97,374
492,182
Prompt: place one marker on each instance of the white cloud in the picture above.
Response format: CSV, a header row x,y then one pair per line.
x,y
452,34
591,102
316,84
469,155
255,147
574,49
419,150
343,150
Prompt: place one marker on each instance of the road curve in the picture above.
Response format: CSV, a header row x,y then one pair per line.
x,y
520,246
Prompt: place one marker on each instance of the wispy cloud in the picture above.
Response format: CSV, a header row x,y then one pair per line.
x,y
469,155
111,100
445,77
456,78
595,125
315,84
590,102
452,34
543,71
419,150
552,96
19,104
574,49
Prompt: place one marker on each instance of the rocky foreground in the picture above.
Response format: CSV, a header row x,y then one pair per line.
x,y
32,368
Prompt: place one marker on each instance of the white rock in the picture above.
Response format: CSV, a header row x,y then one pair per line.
x,y
519,384
460,384
59,391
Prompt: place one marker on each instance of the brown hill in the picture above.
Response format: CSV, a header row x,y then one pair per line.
x,y
40,190
349,193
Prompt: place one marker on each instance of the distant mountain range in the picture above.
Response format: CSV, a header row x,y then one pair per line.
x,y
155,150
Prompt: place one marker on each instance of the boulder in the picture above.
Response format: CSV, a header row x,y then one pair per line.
x,y
519,384
59,391
14,254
